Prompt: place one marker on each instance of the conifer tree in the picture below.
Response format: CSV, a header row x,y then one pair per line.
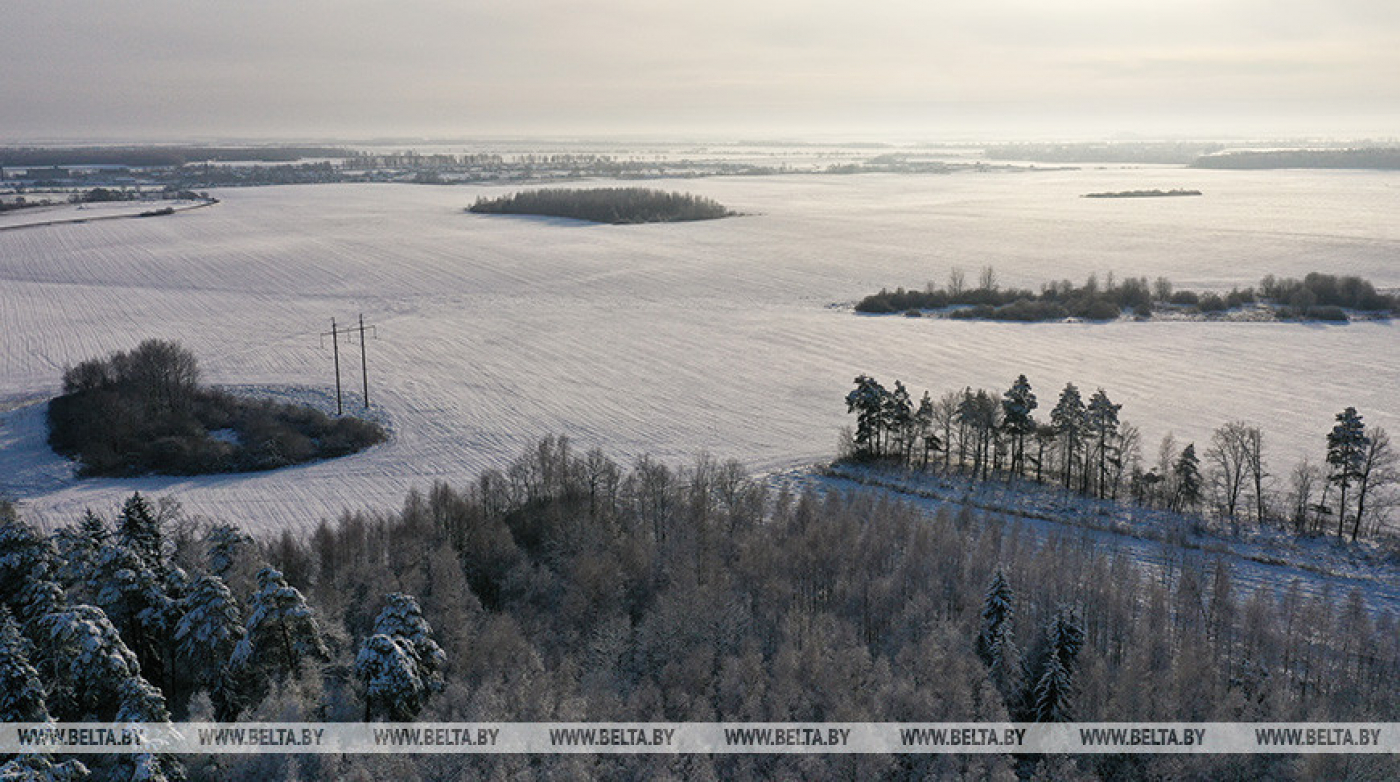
x,y
139,529
1018,404
205,638
1187,472
1101,418
402,619
996,644
280,631
867,401
1068,418
90,672
394,689
21,693
26,573
1346,450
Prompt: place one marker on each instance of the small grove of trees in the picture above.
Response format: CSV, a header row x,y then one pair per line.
x,y
1317,296
1087,448
605,205
144,411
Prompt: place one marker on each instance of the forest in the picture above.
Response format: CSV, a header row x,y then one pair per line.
x,y
617,205
1088,448
1318,296
143,411
568,587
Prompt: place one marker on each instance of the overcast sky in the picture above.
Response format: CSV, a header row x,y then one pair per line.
x,y
135,69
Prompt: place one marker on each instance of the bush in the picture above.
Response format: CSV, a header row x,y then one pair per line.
x,y
605,205
1185,298
1212,302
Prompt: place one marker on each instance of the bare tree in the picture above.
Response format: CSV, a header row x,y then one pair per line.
x,y
1227,459
1378,470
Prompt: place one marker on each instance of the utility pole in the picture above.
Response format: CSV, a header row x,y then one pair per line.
x,y
334,334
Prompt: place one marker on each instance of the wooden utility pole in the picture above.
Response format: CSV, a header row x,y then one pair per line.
x,y
334,334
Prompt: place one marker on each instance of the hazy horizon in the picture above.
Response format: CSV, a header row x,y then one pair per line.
x,y
160,70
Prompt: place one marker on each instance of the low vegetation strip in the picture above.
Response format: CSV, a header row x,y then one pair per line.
x,y
1143,194
1318,296
144,412
616,205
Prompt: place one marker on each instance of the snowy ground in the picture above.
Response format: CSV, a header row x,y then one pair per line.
x,y
717,336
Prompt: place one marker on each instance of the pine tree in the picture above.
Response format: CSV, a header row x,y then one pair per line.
x,y
867,401
1101,417
91,674
1017,404
205,638
1068,418
26,573
77,549
280,630
134,600
390,674
1053,693
1187,472
139,529
21,693
1346,450
225,543
402,619
996,644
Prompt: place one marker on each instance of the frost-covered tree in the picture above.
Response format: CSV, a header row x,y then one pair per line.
x,y
225,543
1048,669
386,667
402,619
139,528
133,597
77,548
27,572
996,645
1068,418
38,767
1017,405
1378,470
91,674
1054,694
280,631
205,638
21,693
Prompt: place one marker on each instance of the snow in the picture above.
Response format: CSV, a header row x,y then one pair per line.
x,y
718,336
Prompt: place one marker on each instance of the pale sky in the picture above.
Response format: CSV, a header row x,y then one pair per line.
x,y
168,69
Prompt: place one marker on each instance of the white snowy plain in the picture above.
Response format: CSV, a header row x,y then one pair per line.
x,y
732,337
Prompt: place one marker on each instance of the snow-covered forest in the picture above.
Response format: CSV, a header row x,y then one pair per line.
x,y
570,587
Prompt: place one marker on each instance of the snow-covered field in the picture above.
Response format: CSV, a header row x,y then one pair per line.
x,y
672,339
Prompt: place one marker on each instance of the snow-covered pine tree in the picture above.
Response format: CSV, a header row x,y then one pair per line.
x,y
132,596
402,618
21,693
205,637
1053,693
26,573
996,644
225,542
77,548
139,528
37,767
281,630
88,669
393,688
1346,452
867,401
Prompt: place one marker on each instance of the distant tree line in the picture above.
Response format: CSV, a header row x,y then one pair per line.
x,y
1381,158
605,205
144,411
1317,296
143,156
1085,447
